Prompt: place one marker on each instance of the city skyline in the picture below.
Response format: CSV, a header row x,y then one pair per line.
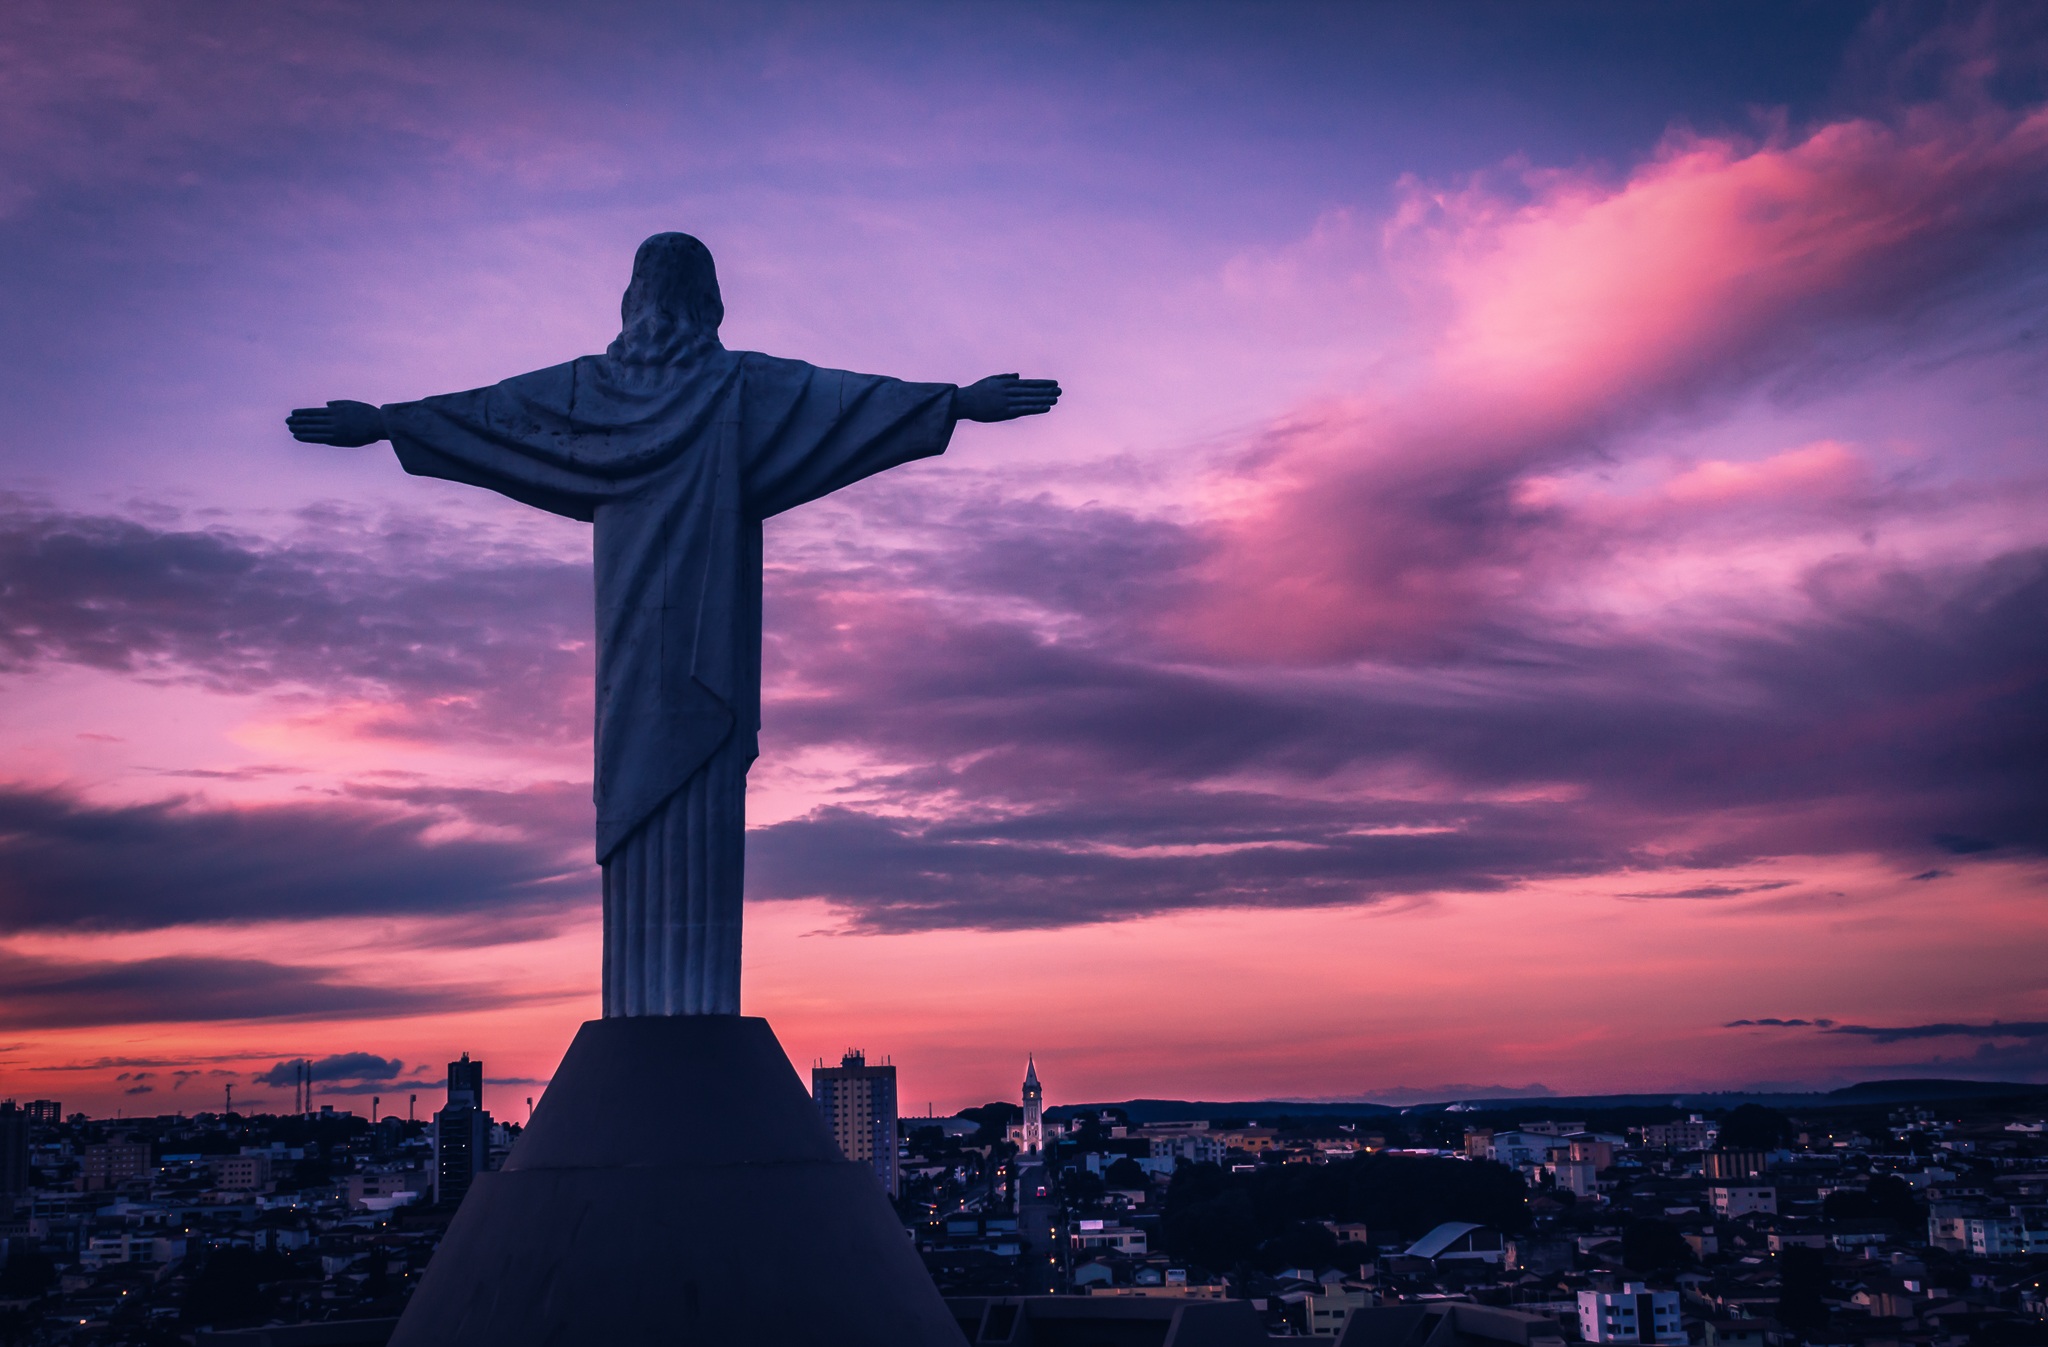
x,y
1536,582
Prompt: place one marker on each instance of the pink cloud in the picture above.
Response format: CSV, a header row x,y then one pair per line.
x,y
1825,467
1556,314
1590,295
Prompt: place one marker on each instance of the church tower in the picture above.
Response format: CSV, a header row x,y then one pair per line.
x,y
1034,1110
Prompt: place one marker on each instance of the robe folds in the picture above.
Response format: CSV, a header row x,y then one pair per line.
x,y
676,465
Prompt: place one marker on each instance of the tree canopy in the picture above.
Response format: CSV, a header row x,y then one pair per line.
x,y
1752,1127
1126,1173
1220,1219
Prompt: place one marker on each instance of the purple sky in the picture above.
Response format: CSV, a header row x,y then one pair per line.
x,y
1545,529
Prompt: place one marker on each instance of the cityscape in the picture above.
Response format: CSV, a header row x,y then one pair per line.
x,y
1908,1212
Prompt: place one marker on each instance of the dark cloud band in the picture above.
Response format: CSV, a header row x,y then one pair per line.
x,y
49,994
65,863
1055,764
1995,1031
340,1066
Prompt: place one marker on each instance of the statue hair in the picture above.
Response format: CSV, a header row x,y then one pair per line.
x,y
672,308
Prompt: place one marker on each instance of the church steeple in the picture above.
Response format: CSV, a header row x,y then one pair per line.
x,y
1033,1135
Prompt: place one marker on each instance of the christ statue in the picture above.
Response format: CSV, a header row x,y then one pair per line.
x,y
675,449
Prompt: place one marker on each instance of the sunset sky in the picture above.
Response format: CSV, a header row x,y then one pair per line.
x,y
1539,580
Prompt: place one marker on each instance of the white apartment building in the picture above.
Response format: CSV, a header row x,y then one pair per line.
x,y
1633,1314
1091,1237
1740,1199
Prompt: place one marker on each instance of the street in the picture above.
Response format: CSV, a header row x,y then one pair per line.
x,y
1041,1264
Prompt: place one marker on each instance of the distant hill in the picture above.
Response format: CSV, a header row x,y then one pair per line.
x,y
1906,1091
1555,1106
1183,1110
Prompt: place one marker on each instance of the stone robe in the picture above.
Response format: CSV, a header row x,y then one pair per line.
x,y
676,465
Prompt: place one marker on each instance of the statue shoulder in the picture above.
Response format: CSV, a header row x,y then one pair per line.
x,y
756,365
548,380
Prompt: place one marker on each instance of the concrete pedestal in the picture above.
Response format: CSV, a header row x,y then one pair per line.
x,y
677,1186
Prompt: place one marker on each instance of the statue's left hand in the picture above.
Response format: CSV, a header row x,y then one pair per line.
x,y
1005,397
344,423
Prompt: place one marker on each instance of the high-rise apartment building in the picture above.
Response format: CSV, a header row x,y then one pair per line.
x,y
1033,1142
462,1133
14,1173
466,1079
240,1173
45,1111
112,1163
859,1104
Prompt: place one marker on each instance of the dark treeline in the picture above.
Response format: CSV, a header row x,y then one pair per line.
x,y
1270,1217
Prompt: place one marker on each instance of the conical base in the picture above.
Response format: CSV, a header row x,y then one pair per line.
x,y
676,1186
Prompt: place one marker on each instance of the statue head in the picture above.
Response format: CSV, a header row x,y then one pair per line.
x,y
672,309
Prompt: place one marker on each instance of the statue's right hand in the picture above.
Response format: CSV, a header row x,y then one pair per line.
x,y
344,423
1005,397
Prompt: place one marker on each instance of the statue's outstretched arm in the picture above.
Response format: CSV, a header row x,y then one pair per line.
x,y
1005,397
343,423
